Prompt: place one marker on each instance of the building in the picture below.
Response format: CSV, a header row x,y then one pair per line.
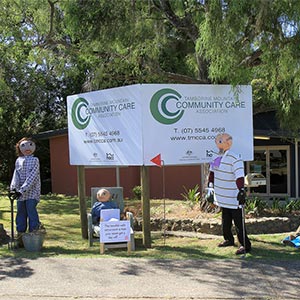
x,y
64,176
275,157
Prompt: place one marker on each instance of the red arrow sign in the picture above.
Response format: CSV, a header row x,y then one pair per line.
x,y
157,160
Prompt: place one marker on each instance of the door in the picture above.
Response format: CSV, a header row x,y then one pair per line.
x,y
278,171
273,163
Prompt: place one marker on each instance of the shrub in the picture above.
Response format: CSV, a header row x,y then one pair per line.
x,y
293,205
278,206
137,192
192,196
255,205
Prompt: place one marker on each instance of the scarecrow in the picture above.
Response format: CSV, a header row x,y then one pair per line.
x,y
103,202
226,188
26,188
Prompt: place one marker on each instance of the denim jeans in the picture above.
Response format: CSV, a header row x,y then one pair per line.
x,y
27,210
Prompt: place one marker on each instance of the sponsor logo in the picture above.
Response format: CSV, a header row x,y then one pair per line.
x,y
189,152
163,106
189,156
110,156
79,117
209,153
167,106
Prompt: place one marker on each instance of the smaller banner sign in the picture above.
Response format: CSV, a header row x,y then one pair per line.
x,y
114,231
105,127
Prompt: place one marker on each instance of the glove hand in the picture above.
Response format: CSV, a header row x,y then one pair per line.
x,y
210,195
13,194
18,195
241,197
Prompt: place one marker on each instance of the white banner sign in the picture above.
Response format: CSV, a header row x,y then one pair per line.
x,y
180,122
132,125
105,127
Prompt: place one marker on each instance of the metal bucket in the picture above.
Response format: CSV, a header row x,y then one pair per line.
x,y
33,242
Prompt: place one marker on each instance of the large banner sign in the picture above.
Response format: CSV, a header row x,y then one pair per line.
x,y
178,123
182,121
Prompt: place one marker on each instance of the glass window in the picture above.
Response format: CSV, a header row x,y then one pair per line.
x,y
273,163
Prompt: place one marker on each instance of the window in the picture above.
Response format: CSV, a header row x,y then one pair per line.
x,y
273,163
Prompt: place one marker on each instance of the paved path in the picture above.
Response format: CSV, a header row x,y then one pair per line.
x,y
135,279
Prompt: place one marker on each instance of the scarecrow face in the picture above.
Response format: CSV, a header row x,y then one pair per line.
x,y
223,142
27,147
103,195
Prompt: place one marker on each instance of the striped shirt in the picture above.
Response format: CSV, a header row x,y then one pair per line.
x,y
26,177
225,176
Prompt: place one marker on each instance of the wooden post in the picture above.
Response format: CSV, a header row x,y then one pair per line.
x,y
82,202
129,247
146,206
102,248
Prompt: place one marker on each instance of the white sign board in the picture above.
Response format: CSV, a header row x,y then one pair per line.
x,y
180,122
105,127
114,231
131,125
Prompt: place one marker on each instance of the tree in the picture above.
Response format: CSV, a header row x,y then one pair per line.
x,y
247,42
31,86
53,48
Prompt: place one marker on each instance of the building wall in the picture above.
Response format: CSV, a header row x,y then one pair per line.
x,y
64,176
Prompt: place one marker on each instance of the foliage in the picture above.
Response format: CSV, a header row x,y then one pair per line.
x,y
137,192
293,205
192,195
260,45
276,206
255,205
50,49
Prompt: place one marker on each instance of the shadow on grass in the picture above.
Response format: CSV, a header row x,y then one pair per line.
x,y
273,250
274,254
260,240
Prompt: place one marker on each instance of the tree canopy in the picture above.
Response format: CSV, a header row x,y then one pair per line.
x,y
53,48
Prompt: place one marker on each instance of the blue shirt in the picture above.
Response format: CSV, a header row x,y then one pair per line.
x,y
98,206
26,178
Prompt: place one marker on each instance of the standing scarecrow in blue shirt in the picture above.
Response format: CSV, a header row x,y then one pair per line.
x,y
26,184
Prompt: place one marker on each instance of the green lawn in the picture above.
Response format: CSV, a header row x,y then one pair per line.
x,y
60,215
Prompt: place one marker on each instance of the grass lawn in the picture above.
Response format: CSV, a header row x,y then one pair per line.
x,y
60,215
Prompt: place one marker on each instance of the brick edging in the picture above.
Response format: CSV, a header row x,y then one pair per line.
x,y
264,225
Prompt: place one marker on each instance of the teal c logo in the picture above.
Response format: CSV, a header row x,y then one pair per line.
x,y
79,117
163,106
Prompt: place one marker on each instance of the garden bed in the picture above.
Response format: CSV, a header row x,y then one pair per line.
x,y
176,215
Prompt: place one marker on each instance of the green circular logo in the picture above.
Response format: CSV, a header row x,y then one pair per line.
x,y
162,106
79,117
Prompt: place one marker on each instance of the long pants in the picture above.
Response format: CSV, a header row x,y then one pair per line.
x,y
235,215
27,210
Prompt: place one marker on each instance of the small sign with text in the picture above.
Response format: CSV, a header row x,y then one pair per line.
x,y
114,231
